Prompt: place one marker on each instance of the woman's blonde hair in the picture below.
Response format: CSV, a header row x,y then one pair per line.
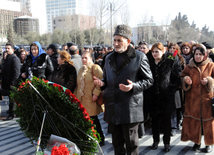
x,y
64,55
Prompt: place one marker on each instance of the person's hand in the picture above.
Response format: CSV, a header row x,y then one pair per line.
x,y
126,88
204,81
98,82
188,80
24,75
94,98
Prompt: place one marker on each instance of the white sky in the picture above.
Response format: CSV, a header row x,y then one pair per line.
x,y
202,12
38,10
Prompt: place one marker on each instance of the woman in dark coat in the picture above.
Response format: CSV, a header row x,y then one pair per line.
x,y
65,74
159,98
38,63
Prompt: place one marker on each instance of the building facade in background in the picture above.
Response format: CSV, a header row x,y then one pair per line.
x,y
24,4
8,11
55,8
25,24
73,22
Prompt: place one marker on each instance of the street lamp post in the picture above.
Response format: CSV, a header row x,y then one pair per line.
x,y
111,9
111,21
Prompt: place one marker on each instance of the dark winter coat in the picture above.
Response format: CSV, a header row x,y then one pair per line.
x,y
160,98
65,75
54,60
125,107
10,71
41,68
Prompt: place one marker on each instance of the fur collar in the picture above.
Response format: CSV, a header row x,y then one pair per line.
x,y
86,69
130,53
192,64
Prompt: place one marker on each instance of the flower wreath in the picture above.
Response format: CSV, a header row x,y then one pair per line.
x,y
30,109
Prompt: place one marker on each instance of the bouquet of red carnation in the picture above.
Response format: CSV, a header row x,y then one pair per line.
x,y
61,146
61,150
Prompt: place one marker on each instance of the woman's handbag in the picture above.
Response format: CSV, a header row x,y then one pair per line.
x,y
99,101
213,106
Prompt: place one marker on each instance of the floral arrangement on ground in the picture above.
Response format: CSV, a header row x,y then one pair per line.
x,y
66,117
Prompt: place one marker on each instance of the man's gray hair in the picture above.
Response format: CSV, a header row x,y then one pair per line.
x,y
73,50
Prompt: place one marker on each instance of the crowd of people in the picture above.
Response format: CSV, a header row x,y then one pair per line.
x,y
169,85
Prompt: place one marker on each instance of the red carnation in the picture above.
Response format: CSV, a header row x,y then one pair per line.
x,y
87,118
45,81
175,53
80,105
85,113
60,89
67,92
23,83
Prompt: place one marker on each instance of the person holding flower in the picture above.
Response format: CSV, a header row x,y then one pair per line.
x,y
198,83
160,101
177,115
87,92
65,74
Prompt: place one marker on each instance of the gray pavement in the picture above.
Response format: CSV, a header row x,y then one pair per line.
x,y
13,141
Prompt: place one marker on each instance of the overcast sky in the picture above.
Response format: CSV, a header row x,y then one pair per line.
x,y
200,11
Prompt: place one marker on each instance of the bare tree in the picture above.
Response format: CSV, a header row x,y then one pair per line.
x,y
102,11
125,14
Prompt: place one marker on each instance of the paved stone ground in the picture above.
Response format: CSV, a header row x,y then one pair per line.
x,y
13,142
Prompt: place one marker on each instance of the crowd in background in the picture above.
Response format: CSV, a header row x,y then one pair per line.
x,y
180,97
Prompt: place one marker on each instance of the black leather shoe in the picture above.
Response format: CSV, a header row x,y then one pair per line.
x,y
207,149
154,146
9,117
196,147
166,148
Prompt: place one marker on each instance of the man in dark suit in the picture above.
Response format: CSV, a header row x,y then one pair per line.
x,y
10,75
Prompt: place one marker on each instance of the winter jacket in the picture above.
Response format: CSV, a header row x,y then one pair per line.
x,y
125,107
54,60
40,66
160,98
10,71
198,109
86,87
65,75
